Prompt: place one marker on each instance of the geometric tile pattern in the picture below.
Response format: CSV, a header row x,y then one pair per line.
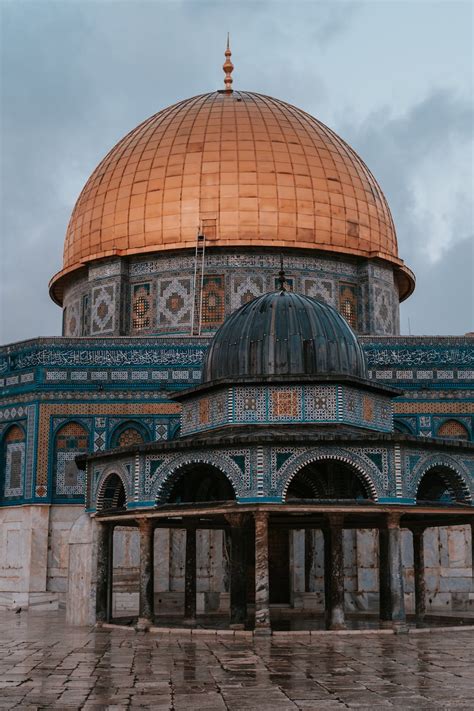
x,y
103,309
71,439
163,303
14,468
256,470
244,289
73,319
174,302
298,403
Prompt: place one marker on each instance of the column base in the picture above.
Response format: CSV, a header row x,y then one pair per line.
x,y
191,621
237,626
264,631
337,626
400,628
143,624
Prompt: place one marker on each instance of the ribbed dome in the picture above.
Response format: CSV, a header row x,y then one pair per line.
x,y
256,171
284,334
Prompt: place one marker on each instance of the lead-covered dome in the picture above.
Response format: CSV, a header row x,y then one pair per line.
x,y
256,171
284,334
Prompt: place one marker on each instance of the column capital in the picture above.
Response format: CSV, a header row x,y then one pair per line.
x,y
144,523
417,529
334,519
236,520
392,520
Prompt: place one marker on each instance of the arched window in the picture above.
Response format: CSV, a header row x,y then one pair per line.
x,y
453,429
13,464
71,439
127,434
348,303
111,494
328,480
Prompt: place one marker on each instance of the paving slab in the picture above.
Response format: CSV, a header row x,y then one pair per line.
x,y
46,665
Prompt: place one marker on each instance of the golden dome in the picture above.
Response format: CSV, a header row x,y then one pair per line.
x,y
256,171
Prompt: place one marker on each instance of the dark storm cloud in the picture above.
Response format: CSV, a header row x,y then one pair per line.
x,y
416,155
76,76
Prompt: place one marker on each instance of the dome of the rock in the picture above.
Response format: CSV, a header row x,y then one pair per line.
x,y
251,170
284,334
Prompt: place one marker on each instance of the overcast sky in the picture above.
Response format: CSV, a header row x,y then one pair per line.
x,y
394,79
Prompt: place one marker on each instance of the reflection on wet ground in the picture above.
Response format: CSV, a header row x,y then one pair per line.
x,y
286,619
46,665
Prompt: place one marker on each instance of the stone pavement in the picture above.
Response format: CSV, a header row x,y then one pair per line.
x,y
46,665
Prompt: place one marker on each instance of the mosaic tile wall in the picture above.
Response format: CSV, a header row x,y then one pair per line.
x,y
296,404
102,379
389,472
147,296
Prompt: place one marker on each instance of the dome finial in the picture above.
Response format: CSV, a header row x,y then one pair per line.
x,y
228,67
281,275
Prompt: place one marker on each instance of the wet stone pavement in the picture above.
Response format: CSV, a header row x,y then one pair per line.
x,y
46,665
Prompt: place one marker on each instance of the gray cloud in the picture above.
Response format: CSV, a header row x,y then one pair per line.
x,y
76,76
423,160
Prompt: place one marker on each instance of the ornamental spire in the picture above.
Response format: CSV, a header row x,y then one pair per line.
x,y
281,275
228,67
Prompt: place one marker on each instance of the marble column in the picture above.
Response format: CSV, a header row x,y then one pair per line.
x,y
104,581
146,581
297,566
419,572
472,549
190,576
238,570
309,560
262,584
334,571
392,603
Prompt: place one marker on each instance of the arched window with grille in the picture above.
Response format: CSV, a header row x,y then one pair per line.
x,y
128,434
453,429
348,303
70,440
13,462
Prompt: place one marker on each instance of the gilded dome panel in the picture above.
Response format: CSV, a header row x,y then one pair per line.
x,y
252,170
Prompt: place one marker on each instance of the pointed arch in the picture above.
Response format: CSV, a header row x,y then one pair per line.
x,y
329,478
458,480
348,458
442,484
111,492
181,466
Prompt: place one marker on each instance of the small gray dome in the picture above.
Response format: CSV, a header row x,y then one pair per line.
x,y
284,334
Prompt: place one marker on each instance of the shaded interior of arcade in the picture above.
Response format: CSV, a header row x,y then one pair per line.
x,y
274,567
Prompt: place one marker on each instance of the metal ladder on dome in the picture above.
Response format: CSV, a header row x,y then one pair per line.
x,y
198,283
